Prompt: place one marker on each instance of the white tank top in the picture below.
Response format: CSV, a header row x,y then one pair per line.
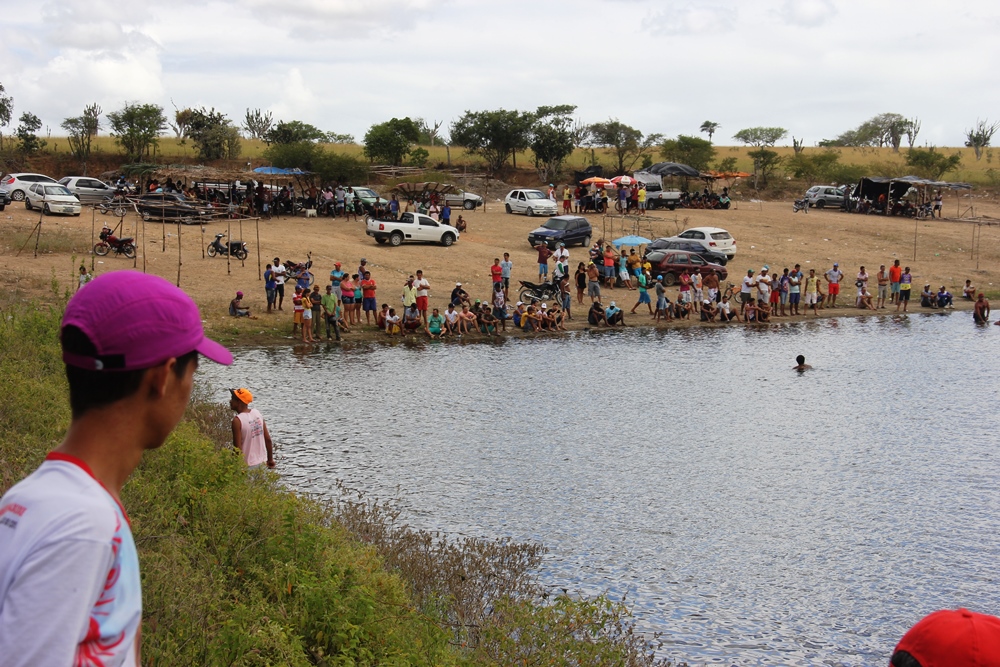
x,y
252,432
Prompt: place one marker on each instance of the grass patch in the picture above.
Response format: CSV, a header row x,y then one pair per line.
x,y
238,570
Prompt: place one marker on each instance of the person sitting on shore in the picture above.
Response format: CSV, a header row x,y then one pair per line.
x,y
411,319
969,291
381,316
708,311
466,320
927,298
682,310
614,315
558,318
981,310
459,296
435,325
518,313
944,298
487,323
865,301
750,313
763,312
451,325
237,309
531,321
596,315
460,224
726,312
392,323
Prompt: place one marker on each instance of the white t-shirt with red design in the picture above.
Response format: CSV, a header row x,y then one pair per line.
x,y
252,431
69,573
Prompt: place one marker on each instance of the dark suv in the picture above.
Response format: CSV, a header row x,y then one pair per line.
x,y
671,264
568,229
663,244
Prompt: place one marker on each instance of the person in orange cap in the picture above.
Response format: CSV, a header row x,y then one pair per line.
x,y
250,435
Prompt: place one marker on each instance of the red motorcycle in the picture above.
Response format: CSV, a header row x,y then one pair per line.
x,y
109,242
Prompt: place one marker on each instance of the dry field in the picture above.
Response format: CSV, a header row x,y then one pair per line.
x,y
939,252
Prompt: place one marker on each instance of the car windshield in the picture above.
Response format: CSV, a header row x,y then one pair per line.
x,y
533,194
556,224
57,190
365,192
721,236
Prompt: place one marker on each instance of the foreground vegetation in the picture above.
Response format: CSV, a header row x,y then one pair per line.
x,y
240,571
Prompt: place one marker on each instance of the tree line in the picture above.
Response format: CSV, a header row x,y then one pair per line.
x,y
550,133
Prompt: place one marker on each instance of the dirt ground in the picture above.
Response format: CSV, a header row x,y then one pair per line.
x,y
939,252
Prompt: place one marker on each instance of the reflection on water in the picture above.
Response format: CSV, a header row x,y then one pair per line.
x,y
753,514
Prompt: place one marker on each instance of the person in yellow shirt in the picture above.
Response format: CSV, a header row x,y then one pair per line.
x,y
642,199
812,290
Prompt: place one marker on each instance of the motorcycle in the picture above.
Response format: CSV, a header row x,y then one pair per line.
x,y
296,271
800,205
109,242
116,205
538,292
237,249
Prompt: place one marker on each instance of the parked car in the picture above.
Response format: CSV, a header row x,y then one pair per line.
x,y
17,184
671,264
821,196
412,227
87,190
51,198
662,244
463,199
170,206
370,199
4,198
710,238
568,229
529,202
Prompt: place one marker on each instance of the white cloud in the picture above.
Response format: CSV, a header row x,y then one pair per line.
x,y
693,19
807,13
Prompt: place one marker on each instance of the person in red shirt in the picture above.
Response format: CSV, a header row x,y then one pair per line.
x,y
895,274
609,265
368,296
496,271
543,261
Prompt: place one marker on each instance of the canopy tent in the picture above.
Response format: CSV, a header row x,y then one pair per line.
x,y
673,169
414,189
896,187
278,171
633,240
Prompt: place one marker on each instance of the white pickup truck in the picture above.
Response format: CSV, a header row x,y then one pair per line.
x,y
411,227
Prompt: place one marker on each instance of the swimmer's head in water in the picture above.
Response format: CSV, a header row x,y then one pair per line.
x,y
800,359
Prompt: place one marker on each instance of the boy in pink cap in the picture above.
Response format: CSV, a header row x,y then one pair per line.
x,y
69,572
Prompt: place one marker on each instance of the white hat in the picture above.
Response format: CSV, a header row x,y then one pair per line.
x,y
519,303
544,306
707,302
458,284
613,304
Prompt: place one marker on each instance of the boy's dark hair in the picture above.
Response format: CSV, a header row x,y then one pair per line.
x,y
800,360
89,390
903,659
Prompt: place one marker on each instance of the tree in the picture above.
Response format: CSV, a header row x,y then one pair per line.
x,y
81,129
813,166
912,130
709,128
761,137
980,136
693,151
727,165
428,132
886,129
928,163
390,141
6,110
765,162
258,123
182,122
418,157
293,131
553,139
214,134
627,143
334,138
329,166
496,136
29,124
136,127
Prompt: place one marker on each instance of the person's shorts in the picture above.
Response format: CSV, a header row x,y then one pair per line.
x,y
506,282
608,271
793,298
307,315
883,291
593,288
699,294
834,289
746,297
642,206
661,303
279,289
811,298
774,298
270,296
567,301
644,297
297,317
347,300
904,294
338,292
894,288
623,273
368,303
685,296
422,303
637,272
783,298
435,331
713,294
543,269
411,326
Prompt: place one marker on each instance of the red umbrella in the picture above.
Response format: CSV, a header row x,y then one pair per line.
x,y
623,180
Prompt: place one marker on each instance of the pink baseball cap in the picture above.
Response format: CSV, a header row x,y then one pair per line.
x,y
137,321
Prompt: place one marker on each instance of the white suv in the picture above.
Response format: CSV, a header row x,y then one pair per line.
x,y
822,196
17,184
713,239
529,202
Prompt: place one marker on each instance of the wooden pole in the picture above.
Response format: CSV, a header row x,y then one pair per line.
x,y
915,224
93,232
257,224
144,245
178,252
242,261
163,222
229,237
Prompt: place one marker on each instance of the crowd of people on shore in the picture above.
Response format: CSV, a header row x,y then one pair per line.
x,y
350,299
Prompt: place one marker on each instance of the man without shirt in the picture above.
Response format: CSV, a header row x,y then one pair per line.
x,y
882,278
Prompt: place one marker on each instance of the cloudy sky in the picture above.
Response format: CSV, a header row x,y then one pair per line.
x,y
815,67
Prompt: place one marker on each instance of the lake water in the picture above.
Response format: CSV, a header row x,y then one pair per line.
x,y
752,514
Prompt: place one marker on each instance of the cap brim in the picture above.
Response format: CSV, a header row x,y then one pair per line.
x,y
213,351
